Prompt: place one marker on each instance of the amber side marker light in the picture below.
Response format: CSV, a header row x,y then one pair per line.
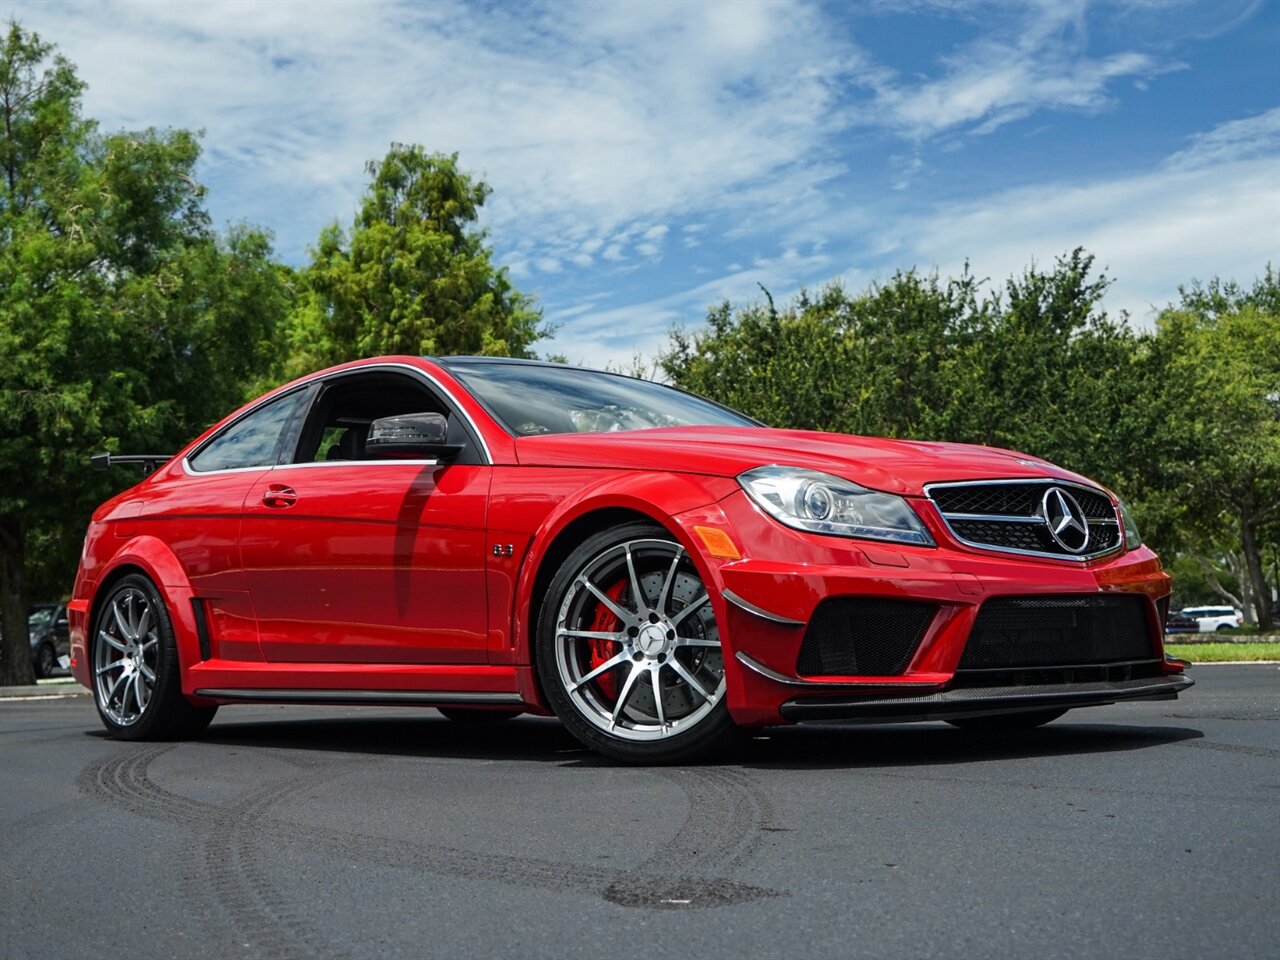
x,y
718,543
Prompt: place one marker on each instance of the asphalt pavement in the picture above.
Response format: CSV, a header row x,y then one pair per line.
x,y
1136,830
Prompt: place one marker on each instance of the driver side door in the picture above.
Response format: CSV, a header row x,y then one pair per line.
x,y
351,559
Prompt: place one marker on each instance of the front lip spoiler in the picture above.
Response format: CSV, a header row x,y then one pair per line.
x,y
980,701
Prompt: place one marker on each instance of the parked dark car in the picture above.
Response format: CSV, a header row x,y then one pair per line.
x,y
1180,623
50,638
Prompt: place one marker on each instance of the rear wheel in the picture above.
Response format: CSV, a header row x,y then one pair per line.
x,y
629,650
137,685
1008,721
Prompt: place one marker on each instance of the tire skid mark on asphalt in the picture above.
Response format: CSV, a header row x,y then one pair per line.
x,y
222,865
235,873
723,829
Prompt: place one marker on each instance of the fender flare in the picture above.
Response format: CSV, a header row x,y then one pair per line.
x,y
155,559
658,496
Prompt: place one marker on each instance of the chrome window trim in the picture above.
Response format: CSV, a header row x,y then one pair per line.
x,y
485,454
1113,521
358,463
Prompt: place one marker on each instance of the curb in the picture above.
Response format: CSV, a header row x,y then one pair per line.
x,y
59,688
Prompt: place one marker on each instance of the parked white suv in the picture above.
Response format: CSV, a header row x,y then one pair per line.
x,y
1213,619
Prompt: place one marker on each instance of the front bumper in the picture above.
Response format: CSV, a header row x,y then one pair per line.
x,y
769,596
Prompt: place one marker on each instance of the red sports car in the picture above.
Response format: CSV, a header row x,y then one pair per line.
x,y
493,537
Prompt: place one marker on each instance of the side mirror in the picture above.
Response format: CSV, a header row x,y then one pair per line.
x,y
411,436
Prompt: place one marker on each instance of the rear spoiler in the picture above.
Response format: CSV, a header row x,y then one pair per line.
x,y
149,461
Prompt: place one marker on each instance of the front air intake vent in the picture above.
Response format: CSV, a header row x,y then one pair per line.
x,y
1050,631
863,636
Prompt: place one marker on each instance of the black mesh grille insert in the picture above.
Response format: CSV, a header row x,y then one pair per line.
x,y
1059,630
863,636
1029,536
1015,499
1016,536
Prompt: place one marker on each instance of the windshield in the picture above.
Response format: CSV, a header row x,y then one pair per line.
x,y
40,617
531,399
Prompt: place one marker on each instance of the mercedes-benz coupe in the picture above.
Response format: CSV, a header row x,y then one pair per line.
x,y
493,537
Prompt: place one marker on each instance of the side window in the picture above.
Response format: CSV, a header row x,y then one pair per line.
x,y
251,441
338,422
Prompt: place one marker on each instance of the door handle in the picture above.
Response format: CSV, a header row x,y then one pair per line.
x,y
278,495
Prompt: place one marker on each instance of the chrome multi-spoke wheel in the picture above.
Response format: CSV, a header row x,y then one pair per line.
x,y
630,649
125,655
137,684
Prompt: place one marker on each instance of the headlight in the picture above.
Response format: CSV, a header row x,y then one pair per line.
x,y
1132,538
821,503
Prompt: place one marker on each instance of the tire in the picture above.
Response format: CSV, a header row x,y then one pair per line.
x,y
137,682
45,660
472,715
1223,628
1008,721
626,610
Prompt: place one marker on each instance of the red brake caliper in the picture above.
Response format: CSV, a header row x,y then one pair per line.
x,y
604,650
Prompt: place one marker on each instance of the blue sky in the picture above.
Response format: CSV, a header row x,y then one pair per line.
x,y
649,159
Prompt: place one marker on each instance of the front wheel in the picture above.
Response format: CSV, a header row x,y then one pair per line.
x,y
137,684
629,649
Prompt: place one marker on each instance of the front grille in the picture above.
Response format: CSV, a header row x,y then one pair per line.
x,y
863,636
1058,631
1017,516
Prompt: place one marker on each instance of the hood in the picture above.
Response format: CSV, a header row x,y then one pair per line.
x,y
894,466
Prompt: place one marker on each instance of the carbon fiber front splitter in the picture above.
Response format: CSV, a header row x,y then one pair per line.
x,y
980,701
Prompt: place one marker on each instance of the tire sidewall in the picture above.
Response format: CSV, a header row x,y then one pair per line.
x,y
710,732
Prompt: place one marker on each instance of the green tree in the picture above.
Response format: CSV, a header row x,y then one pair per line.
x,y
411,276
1214,367
1039,368
124,320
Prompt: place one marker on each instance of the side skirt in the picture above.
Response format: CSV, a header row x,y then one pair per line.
x,y
363,697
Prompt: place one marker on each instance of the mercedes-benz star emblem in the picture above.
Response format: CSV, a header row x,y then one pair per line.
x,y
1068,525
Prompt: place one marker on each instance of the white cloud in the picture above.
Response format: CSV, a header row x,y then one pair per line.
x,y
1211,210
610,335
1008,74
587,119
1256,136
609,130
